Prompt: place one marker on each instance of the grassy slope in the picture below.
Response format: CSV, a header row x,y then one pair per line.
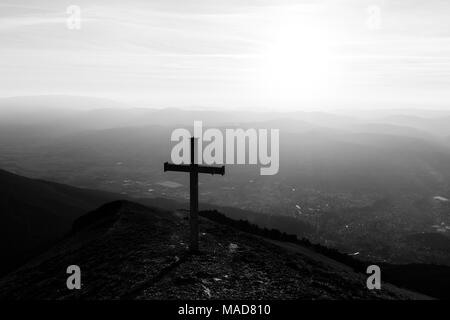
x,y
130,251
35,213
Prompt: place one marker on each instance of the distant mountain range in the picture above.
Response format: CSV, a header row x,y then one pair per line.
x,y
362,182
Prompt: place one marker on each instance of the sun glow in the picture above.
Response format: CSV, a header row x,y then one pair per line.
x,y
296,63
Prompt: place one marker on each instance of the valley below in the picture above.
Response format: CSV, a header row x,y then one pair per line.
x,y
376,191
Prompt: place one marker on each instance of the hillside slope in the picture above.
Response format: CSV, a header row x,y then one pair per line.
x,y
34,213
129,251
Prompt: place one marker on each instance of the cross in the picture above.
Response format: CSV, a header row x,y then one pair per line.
x,y
193,169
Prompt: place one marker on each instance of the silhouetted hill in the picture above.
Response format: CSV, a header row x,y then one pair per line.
x,y
34,213
429,279
129,251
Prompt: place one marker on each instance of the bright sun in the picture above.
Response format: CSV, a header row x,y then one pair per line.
x,y
296,62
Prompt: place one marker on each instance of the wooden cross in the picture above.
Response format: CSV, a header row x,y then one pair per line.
x,y
193,169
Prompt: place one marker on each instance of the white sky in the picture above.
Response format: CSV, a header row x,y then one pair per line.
x,y
230,53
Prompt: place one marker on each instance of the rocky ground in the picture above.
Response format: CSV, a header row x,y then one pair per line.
x,y
128,251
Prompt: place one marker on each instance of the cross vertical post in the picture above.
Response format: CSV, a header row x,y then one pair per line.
x,y
194,169
193,220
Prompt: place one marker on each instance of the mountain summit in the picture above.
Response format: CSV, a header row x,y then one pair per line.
x,y
129,251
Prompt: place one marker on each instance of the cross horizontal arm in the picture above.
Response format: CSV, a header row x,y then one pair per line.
x,y
211,170
189,168
176,167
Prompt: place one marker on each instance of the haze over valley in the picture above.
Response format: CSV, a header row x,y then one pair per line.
x,y
374,184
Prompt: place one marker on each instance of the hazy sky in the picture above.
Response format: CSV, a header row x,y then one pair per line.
x,y
239,53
